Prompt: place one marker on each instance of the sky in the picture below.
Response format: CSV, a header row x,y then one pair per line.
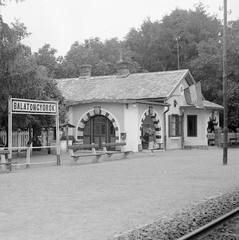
x,y
62,22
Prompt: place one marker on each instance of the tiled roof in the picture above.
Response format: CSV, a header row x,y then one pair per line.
x,y
212,105
133,86
206,105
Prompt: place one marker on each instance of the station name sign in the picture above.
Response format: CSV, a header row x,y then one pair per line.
x,y
34,107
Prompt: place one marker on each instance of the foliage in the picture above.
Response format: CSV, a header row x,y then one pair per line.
x,y
152,47
207,67
155,45
46,57
103,58
22,77
4,2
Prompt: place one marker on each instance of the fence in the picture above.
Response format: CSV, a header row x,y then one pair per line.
x,y
232,138
20,138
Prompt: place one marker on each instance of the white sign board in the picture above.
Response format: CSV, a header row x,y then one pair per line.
x,y
29,106
34,107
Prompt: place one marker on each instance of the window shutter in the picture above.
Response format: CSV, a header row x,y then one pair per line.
x,y
179,125
169,126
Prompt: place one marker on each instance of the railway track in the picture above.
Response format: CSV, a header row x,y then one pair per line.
x,y
225,227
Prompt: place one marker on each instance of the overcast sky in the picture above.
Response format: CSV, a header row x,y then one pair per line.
x,y
62,22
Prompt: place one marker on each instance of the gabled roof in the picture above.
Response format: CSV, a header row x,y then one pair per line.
x,y
133,86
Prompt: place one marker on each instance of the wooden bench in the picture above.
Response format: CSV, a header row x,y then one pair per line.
x,y
74,148
233,140
110,153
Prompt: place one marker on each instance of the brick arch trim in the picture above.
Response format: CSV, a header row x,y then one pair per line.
x,y
157,124
82,122
217,116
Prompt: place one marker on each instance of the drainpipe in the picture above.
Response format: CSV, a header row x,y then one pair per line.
x,y
182,140
165,132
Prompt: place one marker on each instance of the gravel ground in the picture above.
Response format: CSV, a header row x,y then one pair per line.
x,y
189,219
107,200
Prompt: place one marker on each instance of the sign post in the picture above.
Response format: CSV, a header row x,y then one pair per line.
x,y
10,126
35,107
57,136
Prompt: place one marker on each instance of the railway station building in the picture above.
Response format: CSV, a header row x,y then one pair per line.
x,y
120,108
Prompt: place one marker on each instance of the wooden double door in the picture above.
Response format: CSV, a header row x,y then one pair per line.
x,y
97,130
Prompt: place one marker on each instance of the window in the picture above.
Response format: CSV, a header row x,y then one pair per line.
x,y
192,125
175,125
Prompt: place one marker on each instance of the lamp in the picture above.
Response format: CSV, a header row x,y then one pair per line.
x,y
150,110
97,110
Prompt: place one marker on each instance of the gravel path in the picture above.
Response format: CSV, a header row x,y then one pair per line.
x,y
99,201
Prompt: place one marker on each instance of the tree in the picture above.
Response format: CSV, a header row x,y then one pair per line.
x,y
208,69
46,57
144,44
103,58
4,2
22,77
154,45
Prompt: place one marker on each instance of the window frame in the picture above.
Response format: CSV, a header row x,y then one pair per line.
x,y
192,132
175,125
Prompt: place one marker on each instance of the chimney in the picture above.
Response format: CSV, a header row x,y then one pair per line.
x,y
85,70
123,68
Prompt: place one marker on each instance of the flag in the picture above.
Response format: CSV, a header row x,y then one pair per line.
x,y
187,96
199,95
193,95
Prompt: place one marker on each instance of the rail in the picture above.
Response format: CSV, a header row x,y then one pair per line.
x,y
202,231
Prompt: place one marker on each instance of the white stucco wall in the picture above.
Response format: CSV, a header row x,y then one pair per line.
x,y
202,123
131,124
128,118
200,139
114,109
70,117
173,142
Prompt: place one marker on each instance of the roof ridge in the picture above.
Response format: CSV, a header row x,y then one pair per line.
x,y
131,74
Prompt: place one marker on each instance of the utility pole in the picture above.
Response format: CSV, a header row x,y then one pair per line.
x,y
177,38
225,116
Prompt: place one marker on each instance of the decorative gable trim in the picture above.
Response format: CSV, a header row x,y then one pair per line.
x,y
190,81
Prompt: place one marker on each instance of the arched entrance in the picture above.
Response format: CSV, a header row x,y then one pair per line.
x,y
150,120
212,122
98,129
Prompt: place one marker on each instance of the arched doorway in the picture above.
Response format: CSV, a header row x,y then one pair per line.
x,y
144,129
90,115
152,120
98,129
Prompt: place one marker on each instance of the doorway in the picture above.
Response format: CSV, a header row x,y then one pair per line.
x,y
98,129
144,129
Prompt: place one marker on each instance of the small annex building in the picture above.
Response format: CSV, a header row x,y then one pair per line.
x,y
121,108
